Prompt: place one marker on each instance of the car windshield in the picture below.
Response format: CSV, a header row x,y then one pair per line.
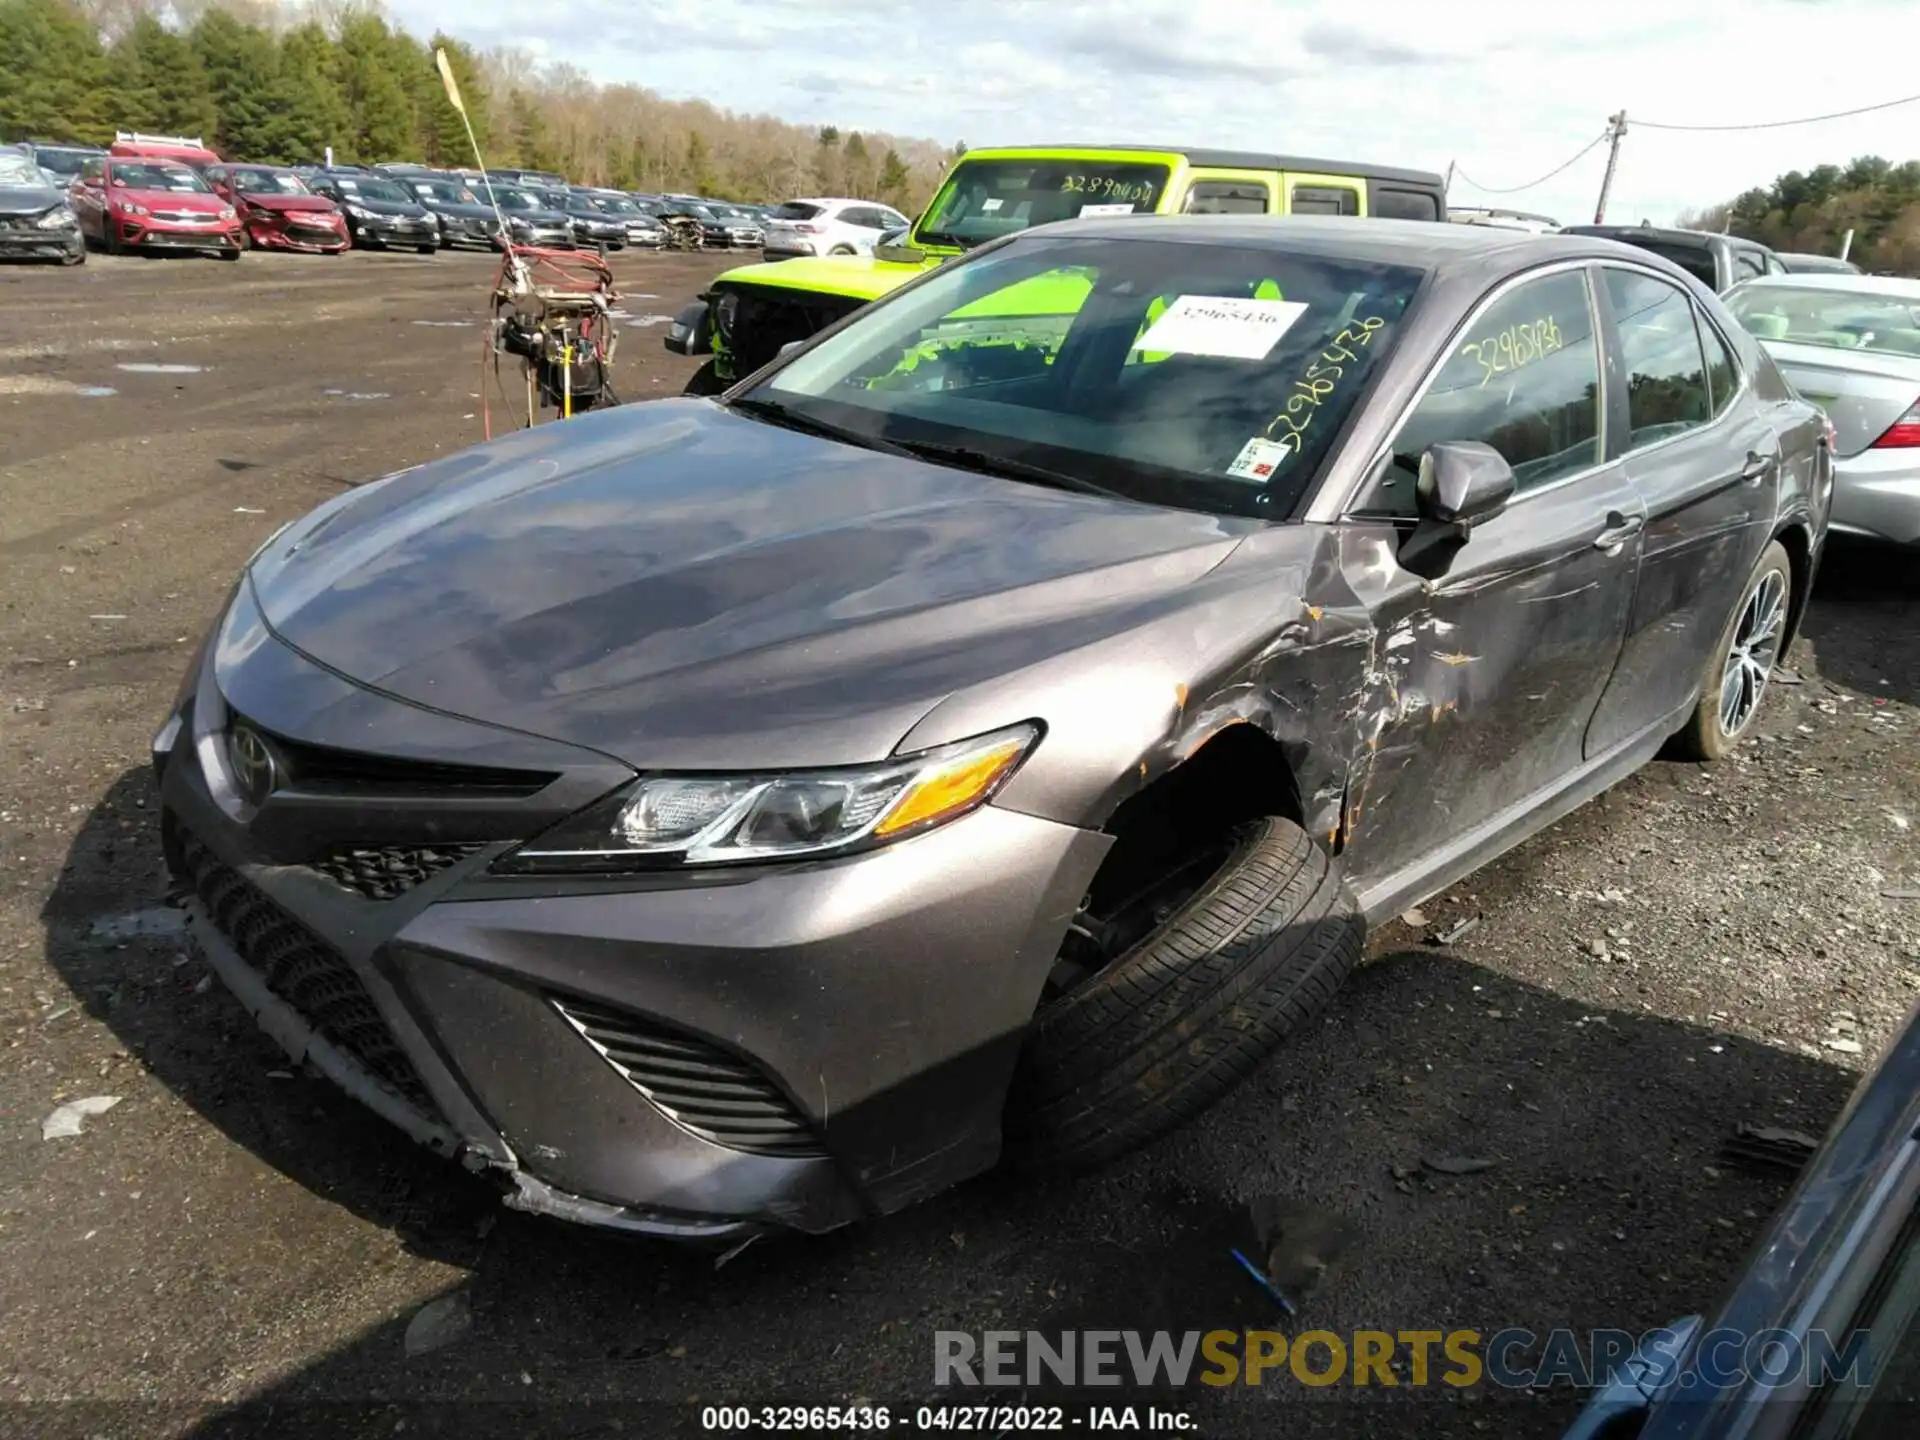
x,y
447,192
17,170
616,205
515,199
362,188
1838,319
158,175
984,199
1696,260
1201,376
269,182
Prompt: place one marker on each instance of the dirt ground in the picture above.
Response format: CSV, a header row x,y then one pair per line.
x,y
232,1250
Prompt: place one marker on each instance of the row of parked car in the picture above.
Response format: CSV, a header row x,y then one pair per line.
x,y
173,192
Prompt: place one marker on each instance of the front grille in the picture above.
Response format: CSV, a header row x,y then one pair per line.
x,y
389,871
716,1095
319,769
296,964
184,217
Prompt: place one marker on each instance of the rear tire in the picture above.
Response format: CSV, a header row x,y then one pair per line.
x,y
842,250
1190,1010
1742,662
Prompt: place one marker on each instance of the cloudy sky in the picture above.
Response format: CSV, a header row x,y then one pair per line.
x,y
1506,90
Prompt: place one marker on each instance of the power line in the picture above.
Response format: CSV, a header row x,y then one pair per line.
x,y
1516,189
1782,124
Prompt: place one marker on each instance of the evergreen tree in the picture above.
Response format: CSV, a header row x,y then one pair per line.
x,y
242,66
381,126
699,176
316,112
157,84
412,65
529,144
895,179
50,72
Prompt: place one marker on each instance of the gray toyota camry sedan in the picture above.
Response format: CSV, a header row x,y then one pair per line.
x,y
990,728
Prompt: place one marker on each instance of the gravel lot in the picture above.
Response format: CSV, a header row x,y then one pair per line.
x,y
231,1250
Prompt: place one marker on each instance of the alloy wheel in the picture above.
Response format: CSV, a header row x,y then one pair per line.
x,y
1751,657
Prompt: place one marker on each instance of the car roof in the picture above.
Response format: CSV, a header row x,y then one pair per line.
x,y
1205,157
1431,244
1894,285
1669,233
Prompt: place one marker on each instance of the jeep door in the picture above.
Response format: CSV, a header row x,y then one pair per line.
x,y
1479,685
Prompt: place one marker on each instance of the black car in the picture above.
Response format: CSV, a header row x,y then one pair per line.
x,y
991,728
464,220
531,220
1721,261
63,162
643,228
593,228
36,221
381,214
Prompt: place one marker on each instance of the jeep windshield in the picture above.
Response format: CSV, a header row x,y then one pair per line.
x,y
985,199
1172,372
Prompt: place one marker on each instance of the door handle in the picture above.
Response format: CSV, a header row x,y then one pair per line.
x,y
1757,467
1620,529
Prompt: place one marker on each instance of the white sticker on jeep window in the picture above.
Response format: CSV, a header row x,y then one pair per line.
x,y
990,205
1221,325
1088,210
1258,459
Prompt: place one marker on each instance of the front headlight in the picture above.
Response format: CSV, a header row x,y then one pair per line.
x,y
227,213
58,218
669,821
725,309
360,212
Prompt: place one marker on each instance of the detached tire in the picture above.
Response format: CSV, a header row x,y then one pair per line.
x,y
1191,1010
1750,644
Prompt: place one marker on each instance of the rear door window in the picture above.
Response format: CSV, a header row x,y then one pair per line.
x,y
1666,371
1229,197
1323,200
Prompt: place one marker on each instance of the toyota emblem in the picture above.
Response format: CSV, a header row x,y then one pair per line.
x,y
253,768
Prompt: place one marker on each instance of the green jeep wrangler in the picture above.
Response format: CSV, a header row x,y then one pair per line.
x,y
750,314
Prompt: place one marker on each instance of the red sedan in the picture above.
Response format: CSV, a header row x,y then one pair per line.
x,y
277,211
152,205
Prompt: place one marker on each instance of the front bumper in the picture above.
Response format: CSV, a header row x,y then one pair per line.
x,y
153,234
25,240
1876,495
709,1054
307,239
394,231
483,237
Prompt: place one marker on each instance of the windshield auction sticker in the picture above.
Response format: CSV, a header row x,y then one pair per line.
x,y
1221,325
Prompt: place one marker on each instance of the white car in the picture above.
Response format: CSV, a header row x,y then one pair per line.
x,y
829,227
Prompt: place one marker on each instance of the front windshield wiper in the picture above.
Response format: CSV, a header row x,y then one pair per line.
x,y
775,413
1000,465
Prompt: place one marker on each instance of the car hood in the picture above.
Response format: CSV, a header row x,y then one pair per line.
x,y
681,587
462,212
195,201
29,199
289,204
388,207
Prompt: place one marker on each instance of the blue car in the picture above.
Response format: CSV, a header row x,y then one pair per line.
x,y
1818,1337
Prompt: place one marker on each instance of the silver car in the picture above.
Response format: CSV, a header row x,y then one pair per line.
x,y
1851,344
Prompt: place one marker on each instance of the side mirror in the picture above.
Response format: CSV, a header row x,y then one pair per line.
x,y
789,347
893,248
1462,484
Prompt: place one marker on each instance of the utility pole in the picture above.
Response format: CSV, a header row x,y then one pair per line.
x,y
1446,190
1616,127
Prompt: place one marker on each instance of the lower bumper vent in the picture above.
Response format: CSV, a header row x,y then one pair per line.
x,y
296,964
718,1096
389,871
